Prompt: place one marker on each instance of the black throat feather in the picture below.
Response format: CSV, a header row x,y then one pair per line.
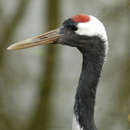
x,y
93,59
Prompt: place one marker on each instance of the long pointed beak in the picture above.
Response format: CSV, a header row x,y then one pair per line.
x,y
46,38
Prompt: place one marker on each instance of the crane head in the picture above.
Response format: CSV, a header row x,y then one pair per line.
x,y
77,31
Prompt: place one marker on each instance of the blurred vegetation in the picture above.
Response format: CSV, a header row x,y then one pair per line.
x,y
43,107
9,25
42,92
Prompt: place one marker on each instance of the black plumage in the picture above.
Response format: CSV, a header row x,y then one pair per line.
x,y
93,53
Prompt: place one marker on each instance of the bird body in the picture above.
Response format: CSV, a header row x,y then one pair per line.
x,y
88,35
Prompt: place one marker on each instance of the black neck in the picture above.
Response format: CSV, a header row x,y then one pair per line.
x,y
86,91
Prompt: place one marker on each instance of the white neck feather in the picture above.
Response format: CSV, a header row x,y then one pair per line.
x,y
75,124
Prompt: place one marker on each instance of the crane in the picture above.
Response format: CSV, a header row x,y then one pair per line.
x,y
88,35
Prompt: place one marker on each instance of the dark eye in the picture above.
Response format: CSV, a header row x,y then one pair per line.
x,y
74,27
69,24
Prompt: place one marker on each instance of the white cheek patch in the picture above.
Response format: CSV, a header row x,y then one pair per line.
x,y
93,28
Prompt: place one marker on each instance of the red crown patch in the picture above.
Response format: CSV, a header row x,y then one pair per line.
x,y
80,18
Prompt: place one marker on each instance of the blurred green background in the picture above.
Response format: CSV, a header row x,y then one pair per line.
x,y
37,85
